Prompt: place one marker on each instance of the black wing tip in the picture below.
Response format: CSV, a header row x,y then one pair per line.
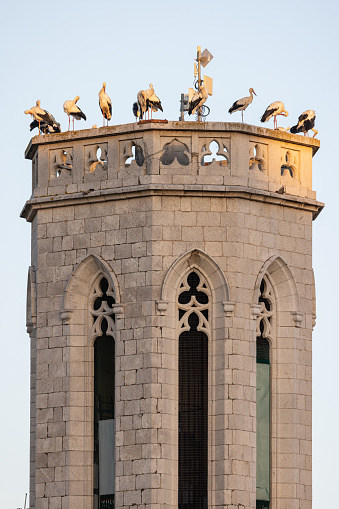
x,y
233,108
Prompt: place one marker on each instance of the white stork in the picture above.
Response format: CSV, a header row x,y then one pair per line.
x,y
142,101
41,115
306,123
153,101
71,109
46,128
105,104
274,109
137,112
241,104
199,98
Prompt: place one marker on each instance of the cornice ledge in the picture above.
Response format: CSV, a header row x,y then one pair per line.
x,y
30,207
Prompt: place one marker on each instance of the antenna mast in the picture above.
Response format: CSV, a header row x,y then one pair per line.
x,y
199,80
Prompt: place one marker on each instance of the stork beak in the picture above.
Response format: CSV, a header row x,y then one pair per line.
x,y
254,93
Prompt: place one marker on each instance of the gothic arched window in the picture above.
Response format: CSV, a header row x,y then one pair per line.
x,y
102,332
264,335
193,315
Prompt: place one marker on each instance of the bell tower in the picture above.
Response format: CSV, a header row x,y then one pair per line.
x,y
170,308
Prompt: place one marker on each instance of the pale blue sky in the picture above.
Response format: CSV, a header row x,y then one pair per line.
x,y
286,51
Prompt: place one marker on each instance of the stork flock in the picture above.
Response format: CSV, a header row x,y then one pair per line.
x,y
147,101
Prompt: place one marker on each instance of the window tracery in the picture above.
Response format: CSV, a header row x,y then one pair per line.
x,y
267,303
265,327
101,308
194,303
193,315
101,304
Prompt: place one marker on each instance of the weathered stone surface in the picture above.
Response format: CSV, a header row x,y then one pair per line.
x,y
143,227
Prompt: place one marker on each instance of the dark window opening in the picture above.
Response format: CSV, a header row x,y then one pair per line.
x,y
193,417
104,424
263,421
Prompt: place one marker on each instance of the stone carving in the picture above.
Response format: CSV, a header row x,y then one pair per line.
x,y
95,157
133,153
215,152
102,308
194,303
267,309
175,149
289,164
61,162
258,156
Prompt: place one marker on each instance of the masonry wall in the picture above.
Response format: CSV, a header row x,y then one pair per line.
x,y
137,238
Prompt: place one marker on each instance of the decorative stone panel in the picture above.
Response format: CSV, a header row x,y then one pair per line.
x,y
290,163
176,153
214,155
95,159
132,160
61,165
258,156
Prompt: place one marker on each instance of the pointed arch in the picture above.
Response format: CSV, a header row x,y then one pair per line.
x,y
206,265
283,283
82,279
217,334
91,365
278,360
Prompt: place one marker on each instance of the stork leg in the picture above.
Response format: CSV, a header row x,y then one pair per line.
x,y
242,116
39,127
73,123
69,122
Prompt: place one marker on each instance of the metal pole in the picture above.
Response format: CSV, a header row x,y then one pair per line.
x,y
199,78
182,107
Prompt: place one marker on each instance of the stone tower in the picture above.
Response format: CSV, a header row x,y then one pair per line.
x,y
170,307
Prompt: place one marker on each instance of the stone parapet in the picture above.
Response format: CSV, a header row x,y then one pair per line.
x,y
179,153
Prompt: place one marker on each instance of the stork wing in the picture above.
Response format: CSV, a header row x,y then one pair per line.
x,y
235,106
194,103
268,113
45,116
